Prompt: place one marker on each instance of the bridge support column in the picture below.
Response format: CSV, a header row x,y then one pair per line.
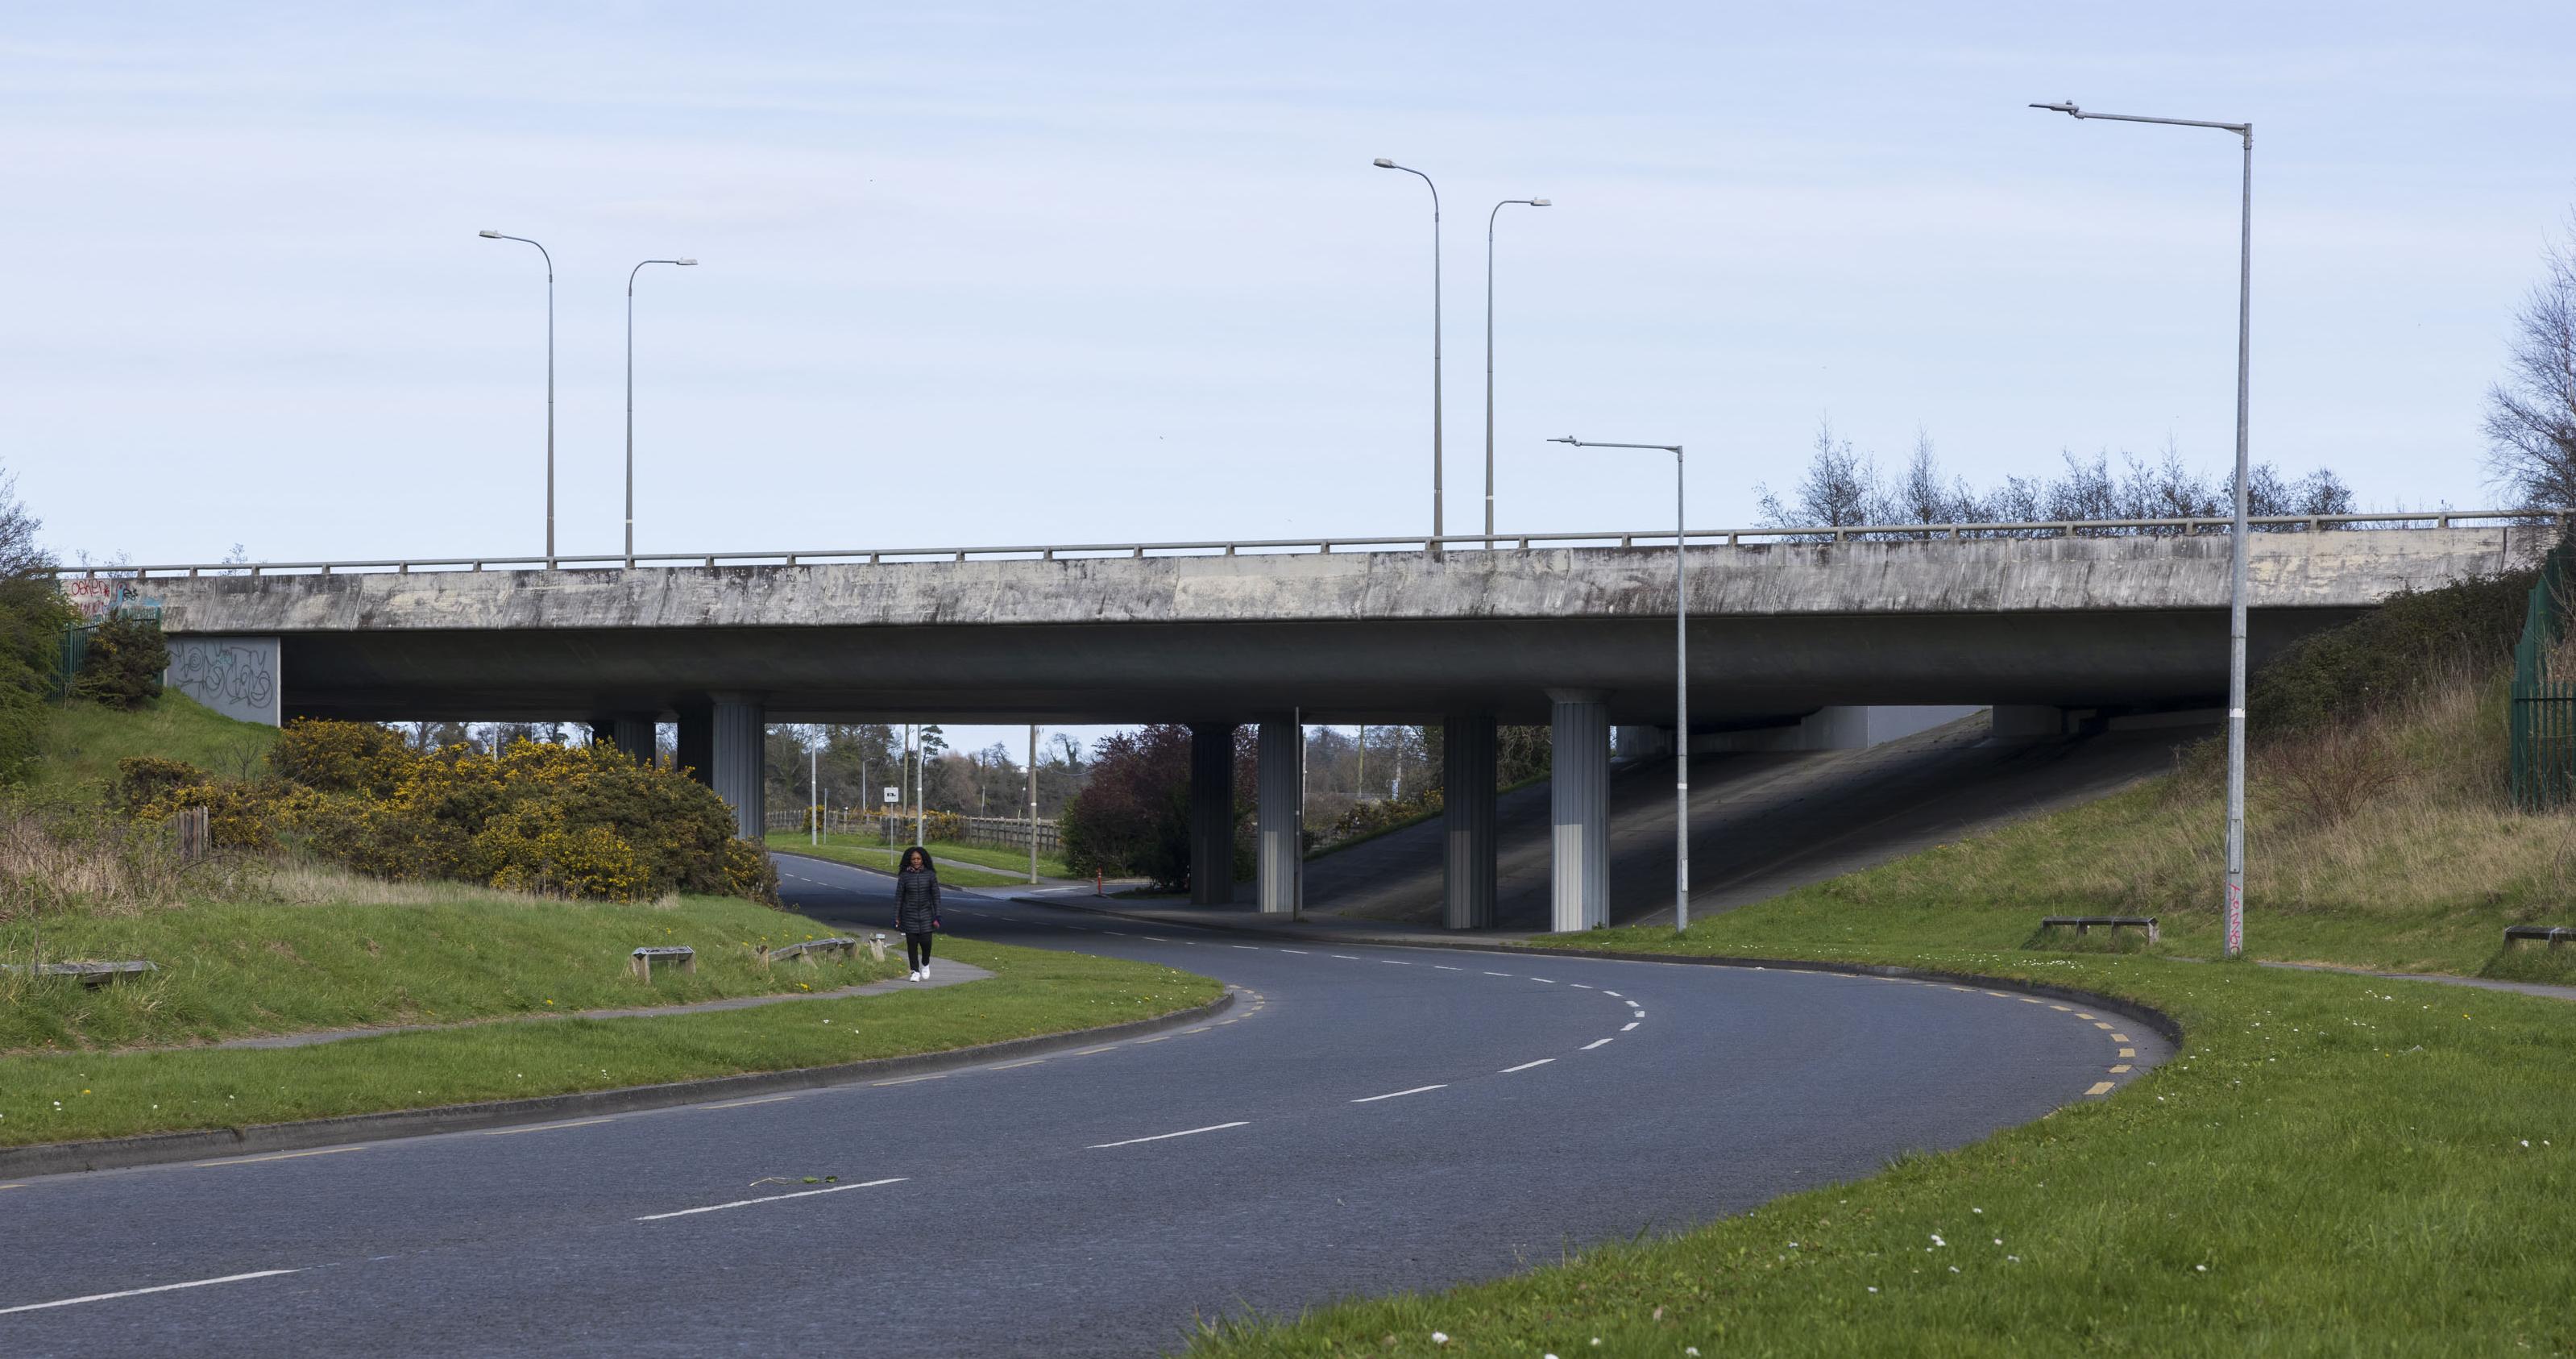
x,y
1579,798
1467,819
631,733
1282,814
738,772
1211,814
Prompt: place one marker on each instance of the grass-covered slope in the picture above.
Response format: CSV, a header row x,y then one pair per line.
x,y
81,742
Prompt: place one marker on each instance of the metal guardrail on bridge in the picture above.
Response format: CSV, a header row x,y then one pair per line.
x,y
1509,542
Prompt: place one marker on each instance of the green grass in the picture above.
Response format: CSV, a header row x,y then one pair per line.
x,y
83,741
865,852
446,954
1035,991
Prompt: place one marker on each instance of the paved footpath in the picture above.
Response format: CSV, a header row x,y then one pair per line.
x,y
1366,1118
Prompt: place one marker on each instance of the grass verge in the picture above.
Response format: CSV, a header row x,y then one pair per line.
x,y
865,852
332,950
52,1098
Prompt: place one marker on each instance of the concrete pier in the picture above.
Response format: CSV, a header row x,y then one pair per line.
x,y
1579,803
739,773
1211,814
1467,819
631,733
1282,811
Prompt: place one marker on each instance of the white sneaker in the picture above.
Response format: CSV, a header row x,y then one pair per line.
x,y
912,976
922,975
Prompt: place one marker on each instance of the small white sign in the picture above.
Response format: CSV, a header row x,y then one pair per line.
x,y
892,795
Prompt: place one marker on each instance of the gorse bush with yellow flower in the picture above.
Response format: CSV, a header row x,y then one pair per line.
x,y
568,821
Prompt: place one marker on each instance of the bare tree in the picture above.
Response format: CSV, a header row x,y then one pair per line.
x,y
2531,415
19,554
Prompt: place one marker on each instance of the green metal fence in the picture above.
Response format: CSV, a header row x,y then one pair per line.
x,y
2544,688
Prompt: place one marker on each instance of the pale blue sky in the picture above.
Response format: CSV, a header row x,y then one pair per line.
x,y
1049,272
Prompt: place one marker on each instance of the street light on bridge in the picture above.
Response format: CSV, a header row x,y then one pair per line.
x,y
1384,164
630,399
550,384
1681,681
1489,354
2235,906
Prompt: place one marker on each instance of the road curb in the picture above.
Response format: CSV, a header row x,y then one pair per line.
x,y
118,1153
2163,1024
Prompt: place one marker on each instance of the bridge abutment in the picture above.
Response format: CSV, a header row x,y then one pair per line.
x,y
1579,805
1467,819
1211,814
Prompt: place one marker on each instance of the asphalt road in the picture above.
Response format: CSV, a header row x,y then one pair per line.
x,y
1366,1119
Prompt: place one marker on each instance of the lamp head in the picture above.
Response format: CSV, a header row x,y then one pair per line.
x,y
1541,203
2068,108
1383,163
686,262
1568,439
489,235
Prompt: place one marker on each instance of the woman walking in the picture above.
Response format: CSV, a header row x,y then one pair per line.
x,y
916,908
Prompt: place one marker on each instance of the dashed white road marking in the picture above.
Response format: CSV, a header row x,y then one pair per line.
x,y
1627,1026
1161,1137
739,1103
1444,967
1393,963
1549,980
138,1292
1498,974
1346,957
1029,1061
1102,1048
278,1156
773,1198
1399,1094
1611,993
1596,1043
1249,946
1581,986
1526,1065
1299,951
907,1080
549,1127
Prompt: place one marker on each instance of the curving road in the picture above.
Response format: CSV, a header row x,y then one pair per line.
x,y
1365,1119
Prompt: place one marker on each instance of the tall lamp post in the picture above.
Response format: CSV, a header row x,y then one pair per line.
x,y
2237,547
630,399
1489,354
1437,528
550,385
1681,681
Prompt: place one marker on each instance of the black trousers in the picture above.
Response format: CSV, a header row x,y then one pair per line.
x,y
916,950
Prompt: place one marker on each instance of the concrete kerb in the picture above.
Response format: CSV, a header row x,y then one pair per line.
x,y
116,1153
2155,1019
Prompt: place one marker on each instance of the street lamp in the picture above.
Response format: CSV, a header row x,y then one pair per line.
x,y
1489,355
2237,547
1681,682
630,400
550,385
1384,164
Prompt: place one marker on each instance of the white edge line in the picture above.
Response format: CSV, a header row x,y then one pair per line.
x,y
1526,1065
138,1292
774,1198
1595,1043
1159,1137
736,1104
278,1156
545,1127
1398,1094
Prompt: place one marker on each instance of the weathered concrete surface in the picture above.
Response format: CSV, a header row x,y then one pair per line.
x,y
1395,636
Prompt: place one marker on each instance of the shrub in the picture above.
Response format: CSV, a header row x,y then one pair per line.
x,y
342,757
124,664
2389,653
142,780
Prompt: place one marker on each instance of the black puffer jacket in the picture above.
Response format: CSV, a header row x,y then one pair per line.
x,y
916,899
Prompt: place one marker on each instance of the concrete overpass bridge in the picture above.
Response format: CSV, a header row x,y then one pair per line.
x,y
2048,624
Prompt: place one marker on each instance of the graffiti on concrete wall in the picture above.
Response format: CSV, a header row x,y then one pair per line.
x,y
235,676
94,599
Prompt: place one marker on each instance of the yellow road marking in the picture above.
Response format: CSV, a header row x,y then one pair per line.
x,y
546,1127
280,1156
2061,1007
2121,1069
2100,1088
2100,1025
2128,1052
2083,1014
2121,1038
1998,995
2032,1000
